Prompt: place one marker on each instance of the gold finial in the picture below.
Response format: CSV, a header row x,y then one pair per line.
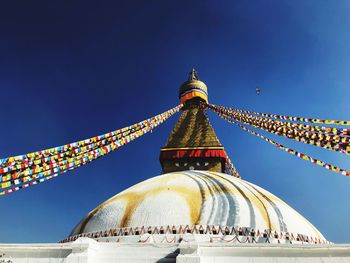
x,y
193,75
193,88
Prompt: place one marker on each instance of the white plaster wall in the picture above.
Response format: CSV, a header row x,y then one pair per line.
x,y
262,253
86,250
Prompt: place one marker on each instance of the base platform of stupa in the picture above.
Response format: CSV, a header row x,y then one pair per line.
x,y
86,250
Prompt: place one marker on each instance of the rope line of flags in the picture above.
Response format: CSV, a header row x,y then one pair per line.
x,y
300,119
332,142
233,116
39,166
230,168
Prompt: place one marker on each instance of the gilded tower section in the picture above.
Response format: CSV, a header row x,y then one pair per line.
x,y
193,144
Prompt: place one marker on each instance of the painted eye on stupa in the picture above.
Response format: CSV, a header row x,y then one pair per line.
x,y
202,164
181,164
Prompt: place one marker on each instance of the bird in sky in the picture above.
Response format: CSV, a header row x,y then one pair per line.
x,y
257,90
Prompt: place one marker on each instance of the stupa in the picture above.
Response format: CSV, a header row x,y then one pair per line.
x,y
193,212
194,195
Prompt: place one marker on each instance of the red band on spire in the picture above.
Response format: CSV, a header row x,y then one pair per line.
x,y
200,153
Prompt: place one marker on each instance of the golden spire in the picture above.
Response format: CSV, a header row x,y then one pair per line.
x,y
193,75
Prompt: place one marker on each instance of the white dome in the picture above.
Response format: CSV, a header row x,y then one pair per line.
x,y
191,198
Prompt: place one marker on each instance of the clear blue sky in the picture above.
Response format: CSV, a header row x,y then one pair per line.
x,y
70,70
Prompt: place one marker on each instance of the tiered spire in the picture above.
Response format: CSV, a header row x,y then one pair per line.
x,y
193,144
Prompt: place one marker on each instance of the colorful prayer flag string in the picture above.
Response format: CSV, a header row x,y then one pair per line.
x,y
43,164
289,150
301,119
76,161
7,172
230,168
49,154
331,142
328,130
38,177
